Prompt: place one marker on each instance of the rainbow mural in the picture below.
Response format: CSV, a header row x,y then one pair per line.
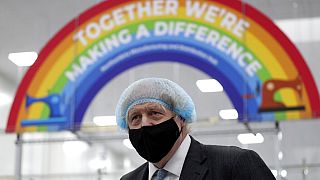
x,y
264,75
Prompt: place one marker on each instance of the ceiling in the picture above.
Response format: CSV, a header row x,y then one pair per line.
x,y
29,25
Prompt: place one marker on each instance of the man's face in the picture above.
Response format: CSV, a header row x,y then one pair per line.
x,y
147,114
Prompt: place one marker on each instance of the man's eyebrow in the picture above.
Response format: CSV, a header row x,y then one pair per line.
x,y
155,107
133,111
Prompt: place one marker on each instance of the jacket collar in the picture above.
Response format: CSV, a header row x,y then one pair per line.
x,y
144,174
194,167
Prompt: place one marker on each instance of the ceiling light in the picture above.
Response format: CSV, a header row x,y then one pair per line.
x,y
280,155
280,136
127,143
5,99
301,30
250,138
126,163
105,120
97,163
23,58
74,148
283,173
228,114
209,85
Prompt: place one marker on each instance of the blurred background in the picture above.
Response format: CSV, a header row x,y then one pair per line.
x,y
101,151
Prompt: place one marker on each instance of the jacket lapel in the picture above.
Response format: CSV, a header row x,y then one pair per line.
x,y
145,173
194,167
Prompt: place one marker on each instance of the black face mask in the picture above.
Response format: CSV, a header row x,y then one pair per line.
x,y
154,142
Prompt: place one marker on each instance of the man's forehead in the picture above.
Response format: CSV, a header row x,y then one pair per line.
x,y
147,106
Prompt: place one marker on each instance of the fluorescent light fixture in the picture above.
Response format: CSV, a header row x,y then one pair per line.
x,y
301,30
127,143
5,99
283,173
274,172
74,148
126,163
23,58
96,164
280,155
209,85
280,136
228,114
105,120
250,138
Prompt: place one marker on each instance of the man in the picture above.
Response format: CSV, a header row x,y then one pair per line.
x,y
156,113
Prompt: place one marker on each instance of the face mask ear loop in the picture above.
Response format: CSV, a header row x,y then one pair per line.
x,y
181,126
180,131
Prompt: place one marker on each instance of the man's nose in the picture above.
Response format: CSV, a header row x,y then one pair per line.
x,y
145,121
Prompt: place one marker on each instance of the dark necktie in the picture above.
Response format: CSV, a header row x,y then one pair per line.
x,y
161,174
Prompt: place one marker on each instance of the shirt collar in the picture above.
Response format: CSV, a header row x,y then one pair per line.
x,y
175,164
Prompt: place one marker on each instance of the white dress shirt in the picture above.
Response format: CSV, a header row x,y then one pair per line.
x,y
174,165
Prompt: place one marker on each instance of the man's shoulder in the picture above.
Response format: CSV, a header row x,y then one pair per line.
x,y
138,172
225,149
222,152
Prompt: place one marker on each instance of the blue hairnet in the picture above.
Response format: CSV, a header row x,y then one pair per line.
x,y
156,90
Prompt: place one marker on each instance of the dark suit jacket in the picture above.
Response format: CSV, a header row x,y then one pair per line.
x,y
210,162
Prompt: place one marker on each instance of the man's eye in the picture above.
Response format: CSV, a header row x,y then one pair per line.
x,y
134,118
155,113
